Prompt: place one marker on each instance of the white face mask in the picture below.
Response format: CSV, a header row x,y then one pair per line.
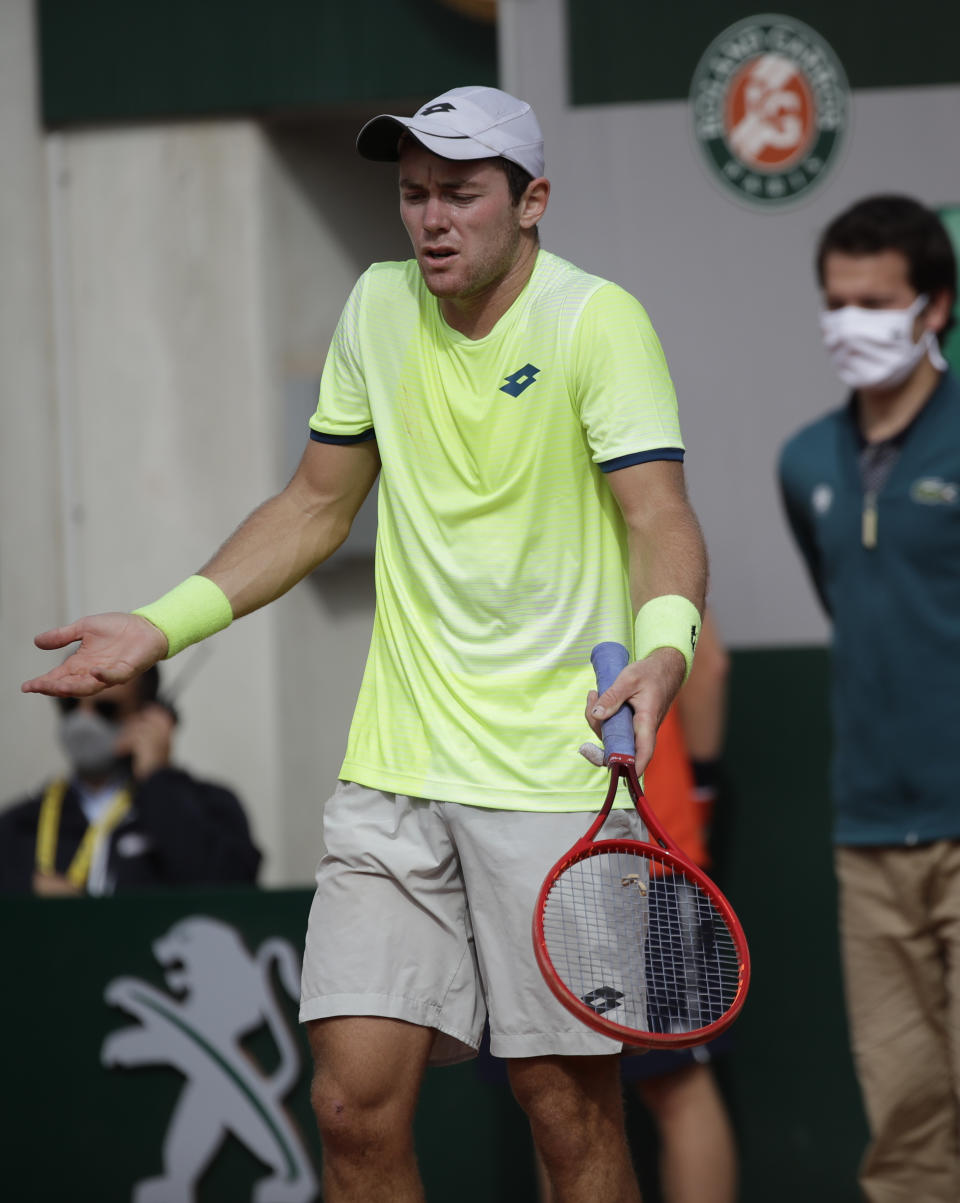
x,y
874,348
89,742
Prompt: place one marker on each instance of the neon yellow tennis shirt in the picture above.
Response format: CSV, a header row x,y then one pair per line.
x,y
501,552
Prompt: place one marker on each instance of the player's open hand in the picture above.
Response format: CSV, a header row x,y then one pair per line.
x,y
114,648
648,686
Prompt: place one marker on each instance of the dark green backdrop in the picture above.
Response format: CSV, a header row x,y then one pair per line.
x,y
620,50
107,60
110,60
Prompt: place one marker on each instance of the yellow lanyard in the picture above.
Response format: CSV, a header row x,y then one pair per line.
x,y
48,833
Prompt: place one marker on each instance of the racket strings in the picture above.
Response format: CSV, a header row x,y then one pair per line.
x,y
641,943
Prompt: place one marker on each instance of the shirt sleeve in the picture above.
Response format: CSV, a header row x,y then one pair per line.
x,y
343,410
621,384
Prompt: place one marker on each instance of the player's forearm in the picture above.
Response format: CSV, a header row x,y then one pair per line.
x,y
273,549
667,555
666,549
289,535
280,542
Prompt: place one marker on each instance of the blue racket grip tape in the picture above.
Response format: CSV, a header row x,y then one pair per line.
x,y
608,659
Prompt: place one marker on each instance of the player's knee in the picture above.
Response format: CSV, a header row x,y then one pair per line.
x,y
565,1085
563,1116
346,1130
356,1126
565,1139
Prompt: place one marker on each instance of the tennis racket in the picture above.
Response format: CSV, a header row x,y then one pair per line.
x,y
631,936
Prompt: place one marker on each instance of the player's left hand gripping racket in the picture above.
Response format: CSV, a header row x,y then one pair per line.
x,y
631,936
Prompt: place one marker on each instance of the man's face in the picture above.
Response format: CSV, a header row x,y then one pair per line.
x,y
95,732
880,281
464,228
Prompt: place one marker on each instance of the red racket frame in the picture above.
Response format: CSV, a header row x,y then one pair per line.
x,y
623,768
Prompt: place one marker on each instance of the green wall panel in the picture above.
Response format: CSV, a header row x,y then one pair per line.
x,y
621,50
790,1077
109,60
951,346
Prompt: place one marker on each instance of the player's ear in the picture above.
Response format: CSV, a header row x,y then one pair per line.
x,y
533,203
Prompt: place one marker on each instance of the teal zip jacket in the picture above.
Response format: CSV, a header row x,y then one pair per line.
x,y
887,569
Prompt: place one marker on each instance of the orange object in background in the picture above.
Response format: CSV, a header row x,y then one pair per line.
x,y
669,787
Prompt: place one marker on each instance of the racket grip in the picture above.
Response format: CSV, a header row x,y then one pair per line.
x,y
608,659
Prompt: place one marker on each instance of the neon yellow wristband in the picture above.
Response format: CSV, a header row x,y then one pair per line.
x,y
667,621
190,612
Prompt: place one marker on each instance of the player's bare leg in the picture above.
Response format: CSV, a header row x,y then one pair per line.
x,y
367,1076
698,1157
576,1117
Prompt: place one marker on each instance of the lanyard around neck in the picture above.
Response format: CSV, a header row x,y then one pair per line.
x,y
48,833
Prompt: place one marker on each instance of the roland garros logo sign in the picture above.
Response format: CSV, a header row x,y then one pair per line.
x,y
770,101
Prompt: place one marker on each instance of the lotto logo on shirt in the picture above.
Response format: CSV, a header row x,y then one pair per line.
x,y
518,381
770,102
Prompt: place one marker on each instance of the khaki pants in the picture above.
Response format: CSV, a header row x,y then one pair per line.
x,y
900,936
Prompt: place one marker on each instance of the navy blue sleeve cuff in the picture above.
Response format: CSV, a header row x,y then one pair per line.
x,y
641,457
343,440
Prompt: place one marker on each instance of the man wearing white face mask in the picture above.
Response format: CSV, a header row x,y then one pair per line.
x,y
124,817
872,494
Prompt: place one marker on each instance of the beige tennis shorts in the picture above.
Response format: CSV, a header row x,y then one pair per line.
x,y
424,911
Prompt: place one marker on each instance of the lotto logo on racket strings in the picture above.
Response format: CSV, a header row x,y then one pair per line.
x,y
770,107
519,380
604,998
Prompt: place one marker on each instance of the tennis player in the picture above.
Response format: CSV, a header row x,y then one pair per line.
x,y
522,419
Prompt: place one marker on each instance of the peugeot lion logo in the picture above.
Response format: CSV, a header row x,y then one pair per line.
x,y
219,995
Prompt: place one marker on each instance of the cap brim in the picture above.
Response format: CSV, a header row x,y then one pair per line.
x,y
379,140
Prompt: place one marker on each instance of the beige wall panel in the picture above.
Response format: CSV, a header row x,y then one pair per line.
x,y
163,405
328,215
31,577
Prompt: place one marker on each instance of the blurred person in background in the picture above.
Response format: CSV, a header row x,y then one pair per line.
x,y
872,495
124,817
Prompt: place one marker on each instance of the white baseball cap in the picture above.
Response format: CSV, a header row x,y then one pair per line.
x,y
464,123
